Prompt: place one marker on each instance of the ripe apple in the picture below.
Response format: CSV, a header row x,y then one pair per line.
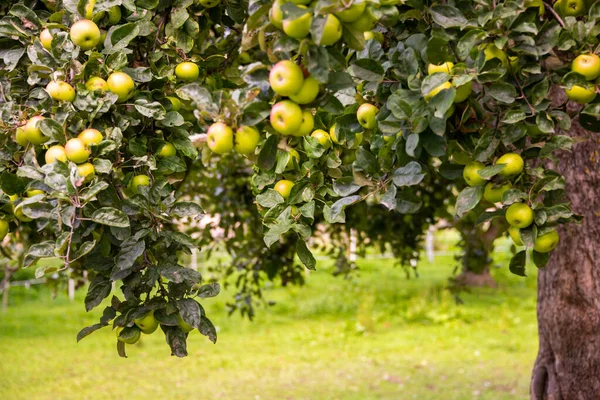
x,y
463,92
286,117
96,83
322,137
61,91
365,22
276,15
284,188
130,340
581,95
286,78
332,32
90,137
210,3
519,215
491,51
587,65
493,193
55,153
307,93
175,103
307,125
20,137
167,150
121,84
86,171
436,90
46,39
515,234
32,131
366,115
185,327
246,139
374,35
187,71
77,151
444,67
298,28
85,34
114,15
352,13
546,242
147,323
220,138
137,181
471,174
3,229
293,155
514,164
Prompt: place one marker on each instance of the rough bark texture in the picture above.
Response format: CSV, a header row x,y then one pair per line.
x,y
568,362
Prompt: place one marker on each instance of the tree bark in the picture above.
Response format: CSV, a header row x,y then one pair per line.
x,y
568,362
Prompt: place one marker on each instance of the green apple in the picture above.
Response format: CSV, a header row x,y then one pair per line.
x,y
147,324
61,91
18,213
519,215
580,94
491,51
129,340
33,192
307,93
187,71
90,137
55,153
587,65
351,13
276,15
210,3
388,139
185,327
365,22
246,139
294,155
471,174
85,34
323,138
32,131
175,103
463,92
167,150
121,84
366,114
77,151
444,67
539,4
244,58
493,193
137,181
374,35
436,90
286,117
286,78
114,15
298,28
3,229
46,39
570,8
220,138
86,171
546,242
514,164
332,31
307,125
96,83
284,188
20,137
515,234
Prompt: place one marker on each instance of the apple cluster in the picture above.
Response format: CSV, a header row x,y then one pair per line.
x,y
146,324
587,65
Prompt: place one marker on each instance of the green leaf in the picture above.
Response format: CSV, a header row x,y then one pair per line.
x,y
517,263
111,217
209,290
37,251
98,290
305,255
338,207
367,70
186,209
409,175
503,92
447,16
467,199
153,110
190,311
268,154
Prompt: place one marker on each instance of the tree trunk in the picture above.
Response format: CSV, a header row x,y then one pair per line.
x,y
568,361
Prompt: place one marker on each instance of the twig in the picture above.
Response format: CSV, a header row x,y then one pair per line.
x,y
523,93
558,18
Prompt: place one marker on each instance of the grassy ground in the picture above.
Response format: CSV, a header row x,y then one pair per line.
x,y
376,336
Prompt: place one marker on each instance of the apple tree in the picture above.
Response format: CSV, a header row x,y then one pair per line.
x,y
336,104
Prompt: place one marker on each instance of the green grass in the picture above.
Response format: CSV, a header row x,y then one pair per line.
x,y
375,336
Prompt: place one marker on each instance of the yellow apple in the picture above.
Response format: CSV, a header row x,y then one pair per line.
x,y
286,117
121,84
519,215
3,229
46,39
513,164
351,13
137,181
581,95
86,171
322,137
187,71
546,242
294,155
61,91
332,32
307,125
85,34
96,83
493,193
366,115
220,138
167,150
471,174
307,93
587,65
246,139
286,78
444,67
20,137
436,90
77,151
90,137
515,234
284,188
54,153
298,28
32,131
